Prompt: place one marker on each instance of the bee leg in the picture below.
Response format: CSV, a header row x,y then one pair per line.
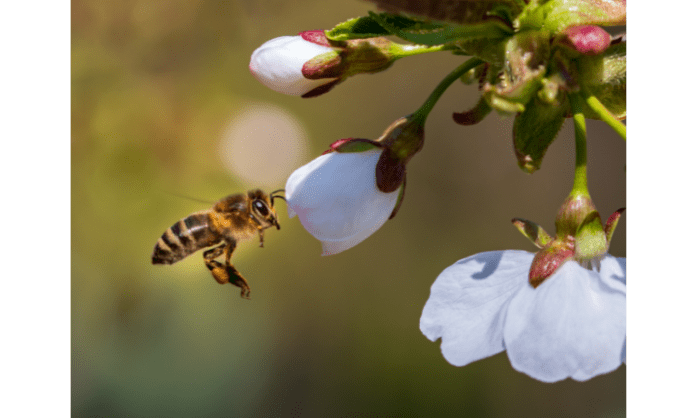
x,y
239,281
216,268
261,238
233,275
229,249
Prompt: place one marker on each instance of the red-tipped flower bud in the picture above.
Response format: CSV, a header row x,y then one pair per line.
x,y
309,64
278,64
587,40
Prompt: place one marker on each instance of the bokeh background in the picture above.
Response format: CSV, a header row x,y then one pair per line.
x,y
166,116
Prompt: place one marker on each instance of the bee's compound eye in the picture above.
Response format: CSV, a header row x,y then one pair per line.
x,y
261,207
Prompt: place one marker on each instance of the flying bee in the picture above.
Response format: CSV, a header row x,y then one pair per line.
x,y
233,219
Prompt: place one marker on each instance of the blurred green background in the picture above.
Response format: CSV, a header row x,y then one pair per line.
x,y
163,107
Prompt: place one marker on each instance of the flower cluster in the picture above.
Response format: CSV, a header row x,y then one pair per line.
x,y
559,313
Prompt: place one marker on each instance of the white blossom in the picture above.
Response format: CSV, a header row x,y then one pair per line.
x,y
337,200
278,64
572,325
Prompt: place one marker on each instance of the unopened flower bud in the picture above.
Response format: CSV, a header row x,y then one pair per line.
x,y
586,39
278,64
309,64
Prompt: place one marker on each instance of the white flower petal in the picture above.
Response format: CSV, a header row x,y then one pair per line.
x,y
337,200
278,64
468,302
613,271
614,275
336,246
572,325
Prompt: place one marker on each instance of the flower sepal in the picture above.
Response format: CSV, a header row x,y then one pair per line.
x,y
353,145
549,259
580,236
611,224
390,171
348,58
590,240
474,115
401,141
533,232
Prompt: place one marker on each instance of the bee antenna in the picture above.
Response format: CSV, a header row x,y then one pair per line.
x,y
279,197
274,195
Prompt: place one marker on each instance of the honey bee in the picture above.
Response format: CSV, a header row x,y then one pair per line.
x,y
233,219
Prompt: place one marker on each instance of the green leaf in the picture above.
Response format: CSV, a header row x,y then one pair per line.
x,y
604,76
439,34
489,50
534,130
368,27
460,12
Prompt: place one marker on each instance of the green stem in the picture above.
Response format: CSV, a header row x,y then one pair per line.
x,y
611,120
424,110
401,51
580,183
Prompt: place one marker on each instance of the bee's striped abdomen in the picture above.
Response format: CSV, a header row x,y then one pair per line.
x,y
184,238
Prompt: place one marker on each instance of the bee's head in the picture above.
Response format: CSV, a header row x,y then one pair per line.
x,y
263,209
